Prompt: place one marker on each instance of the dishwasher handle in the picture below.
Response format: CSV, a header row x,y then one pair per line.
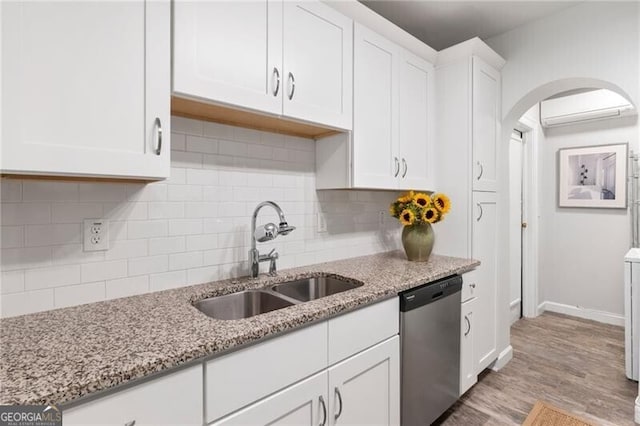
x,y
430,292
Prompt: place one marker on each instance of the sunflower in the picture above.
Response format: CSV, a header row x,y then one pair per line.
x,y
430,215
392,210
441,202
407,217
406,198
422,200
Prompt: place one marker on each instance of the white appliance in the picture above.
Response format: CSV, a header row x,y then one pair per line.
x,y
632,312
587,106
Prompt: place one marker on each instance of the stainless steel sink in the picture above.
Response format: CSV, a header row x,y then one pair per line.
x,y
243,304
314,288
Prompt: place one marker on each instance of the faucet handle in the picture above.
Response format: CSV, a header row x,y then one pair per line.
x,y
271,254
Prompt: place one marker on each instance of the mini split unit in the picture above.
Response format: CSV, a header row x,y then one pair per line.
x,y
583,107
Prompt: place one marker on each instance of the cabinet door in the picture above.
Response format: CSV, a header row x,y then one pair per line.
x,y
174,399
365,389
82,98
486,118
375,114
229,52
304,403
318,61
416,123
484,249
468,374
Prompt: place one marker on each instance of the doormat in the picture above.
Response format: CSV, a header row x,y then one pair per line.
x,y
548,415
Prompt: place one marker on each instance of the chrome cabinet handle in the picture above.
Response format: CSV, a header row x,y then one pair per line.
x,y
466,333
158,125
395,159
292,82
481,170
340,401
404,164
324,411
276,74
481,212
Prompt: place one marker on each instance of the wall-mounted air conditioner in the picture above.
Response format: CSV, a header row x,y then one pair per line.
x,y
582,107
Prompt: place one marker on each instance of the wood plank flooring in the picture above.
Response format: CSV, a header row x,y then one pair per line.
x,y
575,364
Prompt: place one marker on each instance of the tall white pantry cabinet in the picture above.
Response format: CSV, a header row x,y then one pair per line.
x,y
468,89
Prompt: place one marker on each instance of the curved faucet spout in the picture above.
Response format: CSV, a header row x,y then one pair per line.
x,y
267,234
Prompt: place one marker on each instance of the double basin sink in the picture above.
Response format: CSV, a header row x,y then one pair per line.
x,y
248,303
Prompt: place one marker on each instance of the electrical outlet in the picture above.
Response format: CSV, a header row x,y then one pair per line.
x,y
96,235
322,223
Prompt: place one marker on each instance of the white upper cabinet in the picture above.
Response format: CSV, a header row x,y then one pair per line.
x,y
391,146
486,124
375,116
86,88
318,62
283,58
230,52
416,123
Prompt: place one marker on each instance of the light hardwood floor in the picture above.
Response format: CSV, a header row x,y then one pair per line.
x,y
575,364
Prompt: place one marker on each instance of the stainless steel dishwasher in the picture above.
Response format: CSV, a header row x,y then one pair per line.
x,y
430,350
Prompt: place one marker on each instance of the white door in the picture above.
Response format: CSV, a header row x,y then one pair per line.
x,y
416,122
484,249
318,58
468,373
304,403
516,153
229,52
486,117
376,162
365,389
86,88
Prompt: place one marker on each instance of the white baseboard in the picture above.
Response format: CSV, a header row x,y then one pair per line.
x,y
577,311
515,311
504,357
637,411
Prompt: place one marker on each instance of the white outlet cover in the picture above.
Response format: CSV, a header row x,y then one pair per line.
x,y
96,234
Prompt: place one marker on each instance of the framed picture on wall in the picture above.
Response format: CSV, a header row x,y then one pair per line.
x,y
593,176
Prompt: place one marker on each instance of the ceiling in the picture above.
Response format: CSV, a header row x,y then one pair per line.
x,y
441,24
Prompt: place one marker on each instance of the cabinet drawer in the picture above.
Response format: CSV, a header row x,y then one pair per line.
x,y
469,285
240,378
172,399
361,329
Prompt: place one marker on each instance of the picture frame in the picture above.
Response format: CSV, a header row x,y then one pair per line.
x,y
593,176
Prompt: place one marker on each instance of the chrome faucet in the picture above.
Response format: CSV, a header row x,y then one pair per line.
x,y
265,233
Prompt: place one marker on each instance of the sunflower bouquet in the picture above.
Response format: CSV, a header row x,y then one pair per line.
x,y
413,208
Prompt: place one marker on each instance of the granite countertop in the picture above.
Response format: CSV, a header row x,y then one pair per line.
x,y
58,356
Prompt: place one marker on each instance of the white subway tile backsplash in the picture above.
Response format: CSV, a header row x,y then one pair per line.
x,y
25,213
12,236
148,265
147,229
167,280
79,294
55,191
12,282
166,245
103,270
191,228
47,235
105,192
124,287
26,302
36,279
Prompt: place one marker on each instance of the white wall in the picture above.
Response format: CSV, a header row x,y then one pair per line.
x,y
581,250
190,229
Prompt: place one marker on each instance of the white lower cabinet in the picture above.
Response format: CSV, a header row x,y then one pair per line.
x,y
174,399
365,389
304,403
468,373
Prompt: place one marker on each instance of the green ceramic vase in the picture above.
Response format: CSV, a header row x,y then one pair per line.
x,y
417,241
